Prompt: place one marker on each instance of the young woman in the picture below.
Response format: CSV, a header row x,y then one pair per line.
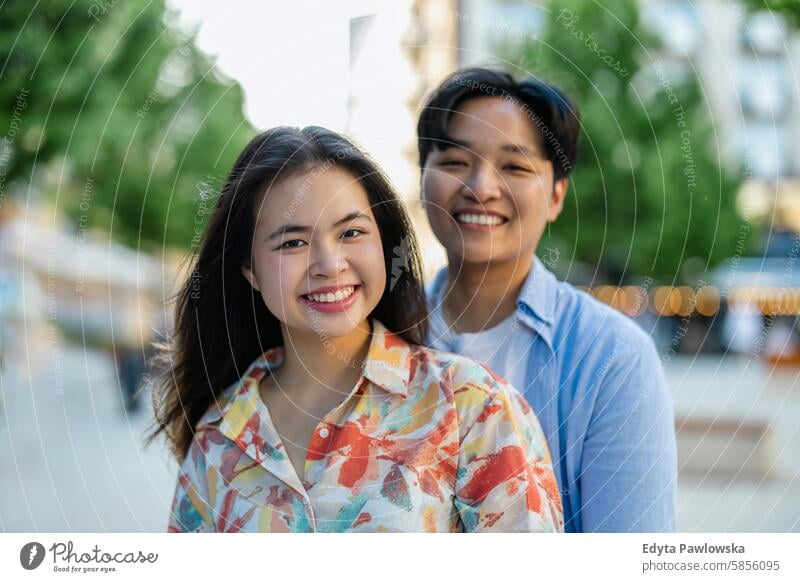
x,y
298,396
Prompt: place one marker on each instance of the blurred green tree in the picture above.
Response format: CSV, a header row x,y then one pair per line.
x,y
789,9
131,119
648,192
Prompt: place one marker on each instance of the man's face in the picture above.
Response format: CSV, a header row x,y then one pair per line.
x,y
489,197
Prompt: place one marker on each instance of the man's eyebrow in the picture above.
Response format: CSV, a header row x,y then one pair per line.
x,y
453,143
516,148
513,148
286,228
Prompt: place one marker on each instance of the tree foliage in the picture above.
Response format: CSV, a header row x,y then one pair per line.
x,y
119,118
789,9
648,192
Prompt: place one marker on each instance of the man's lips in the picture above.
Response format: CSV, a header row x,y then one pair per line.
x,y
482,218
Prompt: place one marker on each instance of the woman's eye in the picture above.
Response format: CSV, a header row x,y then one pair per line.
x,y
352,233
293,244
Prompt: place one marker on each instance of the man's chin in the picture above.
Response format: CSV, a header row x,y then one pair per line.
x,y
477,258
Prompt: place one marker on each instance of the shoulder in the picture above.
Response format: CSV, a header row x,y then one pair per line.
x,y
208,442
433,287
471,386
213,414
592,326
619,359
453,370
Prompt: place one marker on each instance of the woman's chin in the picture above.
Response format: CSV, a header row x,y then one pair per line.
x,y
330,326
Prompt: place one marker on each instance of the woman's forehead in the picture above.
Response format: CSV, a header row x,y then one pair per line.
x,y
319,196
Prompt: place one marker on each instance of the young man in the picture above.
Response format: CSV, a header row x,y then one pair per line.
x,y
496,155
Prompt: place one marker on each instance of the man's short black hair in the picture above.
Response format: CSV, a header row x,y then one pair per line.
x,y
552,113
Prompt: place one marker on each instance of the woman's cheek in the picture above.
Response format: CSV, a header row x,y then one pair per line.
x,y
278,285
375,272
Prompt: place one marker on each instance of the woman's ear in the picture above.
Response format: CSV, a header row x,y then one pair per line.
x,y
250,276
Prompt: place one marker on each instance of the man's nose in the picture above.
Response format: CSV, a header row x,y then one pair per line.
x,y
483,184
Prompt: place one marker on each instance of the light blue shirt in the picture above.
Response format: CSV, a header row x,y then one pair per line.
x,y
596,383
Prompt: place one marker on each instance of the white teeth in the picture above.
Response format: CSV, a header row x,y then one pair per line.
x,y
484,219
340,295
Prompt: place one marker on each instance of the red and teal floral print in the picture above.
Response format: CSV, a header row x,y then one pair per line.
x,y
427,441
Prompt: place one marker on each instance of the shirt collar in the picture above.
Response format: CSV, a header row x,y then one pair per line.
x,y
388,363
539,291
536,303
388,366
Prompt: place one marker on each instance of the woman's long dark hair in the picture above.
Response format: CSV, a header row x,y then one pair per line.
x,y
221,322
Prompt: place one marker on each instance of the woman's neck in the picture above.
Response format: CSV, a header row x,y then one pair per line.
x,y
480,296
313,359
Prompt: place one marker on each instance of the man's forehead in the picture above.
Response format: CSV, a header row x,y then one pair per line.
x,y
494,123
494,144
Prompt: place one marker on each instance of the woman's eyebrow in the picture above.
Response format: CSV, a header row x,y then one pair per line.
x,y
285,228
352,216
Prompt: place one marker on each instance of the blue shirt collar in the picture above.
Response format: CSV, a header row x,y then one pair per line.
x,y
536,303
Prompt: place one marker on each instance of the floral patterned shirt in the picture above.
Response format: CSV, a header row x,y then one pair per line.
x,y
427,441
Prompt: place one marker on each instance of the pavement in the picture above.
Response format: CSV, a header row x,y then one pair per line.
x,y
72,459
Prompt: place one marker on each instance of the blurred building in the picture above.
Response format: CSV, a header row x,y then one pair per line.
x,y
747,65
60,287
399,51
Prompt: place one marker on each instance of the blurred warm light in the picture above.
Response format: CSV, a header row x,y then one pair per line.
x,y
635,301
661,301
708,301
683,301
605,293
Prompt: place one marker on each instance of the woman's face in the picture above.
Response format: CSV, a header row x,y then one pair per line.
x,y
317,254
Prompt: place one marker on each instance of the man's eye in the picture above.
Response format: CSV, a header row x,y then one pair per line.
x,y
353,233
516,168
452,163
293,244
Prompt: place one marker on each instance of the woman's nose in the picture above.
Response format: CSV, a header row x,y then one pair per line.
x,y
328,260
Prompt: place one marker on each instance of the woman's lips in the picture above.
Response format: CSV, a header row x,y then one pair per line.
x,y
335,306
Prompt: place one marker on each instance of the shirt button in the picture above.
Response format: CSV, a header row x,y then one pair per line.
x,y
324,432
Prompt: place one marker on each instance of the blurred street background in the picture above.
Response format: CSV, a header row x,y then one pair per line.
x,y
122,120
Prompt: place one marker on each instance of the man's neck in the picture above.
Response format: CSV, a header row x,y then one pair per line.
x,y
479,296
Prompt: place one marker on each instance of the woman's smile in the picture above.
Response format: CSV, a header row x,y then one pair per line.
x,y
332,299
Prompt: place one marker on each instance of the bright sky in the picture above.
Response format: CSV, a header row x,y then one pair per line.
x,y
292,60
290,57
